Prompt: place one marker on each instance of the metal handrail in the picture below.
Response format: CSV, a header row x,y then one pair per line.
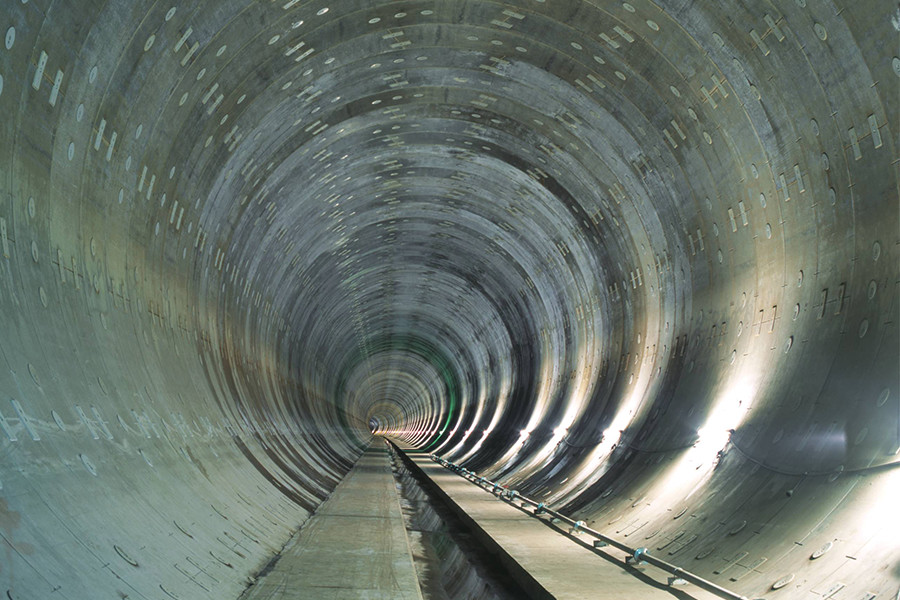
x,y
635,555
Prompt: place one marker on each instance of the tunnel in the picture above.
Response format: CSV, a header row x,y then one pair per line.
x,y
636,260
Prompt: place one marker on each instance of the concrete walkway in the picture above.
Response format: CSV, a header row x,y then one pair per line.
x,y
354,547
545,562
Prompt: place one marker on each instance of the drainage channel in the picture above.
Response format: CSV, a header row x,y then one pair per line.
x,y
450,562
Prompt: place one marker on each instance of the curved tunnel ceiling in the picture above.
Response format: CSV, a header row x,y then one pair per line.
x,y
635,259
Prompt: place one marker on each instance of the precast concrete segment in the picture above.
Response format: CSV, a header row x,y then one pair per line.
x,y
543,560
636,259
354,546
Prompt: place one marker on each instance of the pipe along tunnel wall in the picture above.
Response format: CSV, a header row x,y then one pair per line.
x,y
638,260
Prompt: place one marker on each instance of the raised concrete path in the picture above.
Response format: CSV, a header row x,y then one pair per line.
x,y
353,548
545,562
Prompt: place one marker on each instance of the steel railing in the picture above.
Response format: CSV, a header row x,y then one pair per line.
x,y
635,555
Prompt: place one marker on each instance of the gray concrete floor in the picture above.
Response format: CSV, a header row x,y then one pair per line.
x,y
562,567
354,547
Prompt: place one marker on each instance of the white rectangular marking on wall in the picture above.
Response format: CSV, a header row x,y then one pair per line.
x,y
718,87
190,53
759,42
670,138
857,153
700,241
625,35
708,96
785,193
215,104
174,209
205,98
141,180
39,71
294,48
112,144
678,129
799,177
743,212
183,39
304,55
731,218
876,134
774,27
150,186
596,81
610,41
57,82
100,131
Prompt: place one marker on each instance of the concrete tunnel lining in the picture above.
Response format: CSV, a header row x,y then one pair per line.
x,y
637,260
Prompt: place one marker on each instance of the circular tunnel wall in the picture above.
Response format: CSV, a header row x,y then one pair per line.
x,y
637,260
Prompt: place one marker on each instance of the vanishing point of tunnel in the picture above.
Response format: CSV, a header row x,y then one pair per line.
x,y
636,260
